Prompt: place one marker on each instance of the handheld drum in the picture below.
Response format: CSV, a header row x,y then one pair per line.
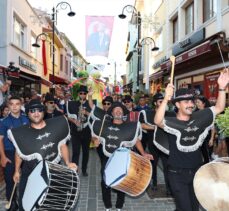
x,y
211,185
51,187
128,172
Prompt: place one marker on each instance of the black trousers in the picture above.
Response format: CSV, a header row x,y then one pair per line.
x,y
81,139
181,183
106,191
164,158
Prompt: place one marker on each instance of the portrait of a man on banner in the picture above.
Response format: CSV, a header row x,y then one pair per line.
x,y
98,35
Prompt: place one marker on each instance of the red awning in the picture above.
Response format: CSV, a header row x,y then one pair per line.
x,y
194,52
46,82
58,80
157,75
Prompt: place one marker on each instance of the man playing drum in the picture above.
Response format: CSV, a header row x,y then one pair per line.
x,y
112,135
188,131
41,140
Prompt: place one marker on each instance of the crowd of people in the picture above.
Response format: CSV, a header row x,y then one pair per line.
x,y
189,118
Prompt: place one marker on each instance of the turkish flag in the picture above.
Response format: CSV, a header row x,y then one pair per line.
x,y
44,57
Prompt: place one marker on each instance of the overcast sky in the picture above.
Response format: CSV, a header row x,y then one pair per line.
x,y
74,27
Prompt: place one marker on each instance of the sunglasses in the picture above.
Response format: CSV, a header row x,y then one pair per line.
x,y
82,93
107,104
33,110
126,101
51,102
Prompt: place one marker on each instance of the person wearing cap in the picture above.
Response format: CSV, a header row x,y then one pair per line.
x,y
187,133
52,134
128,102
112,135
78,112
50,107
7,150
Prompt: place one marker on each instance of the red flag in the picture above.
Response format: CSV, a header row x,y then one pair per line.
x,y
44,57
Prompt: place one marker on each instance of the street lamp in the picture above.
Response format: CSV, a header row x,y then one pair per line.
x,y
61,6
43,36
129,9
148,41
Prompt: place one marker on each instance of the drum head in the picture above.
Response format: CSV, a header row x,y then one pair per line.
x,y
211,185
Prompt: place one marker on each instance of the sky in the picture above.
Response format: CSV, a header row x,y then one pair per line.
x,y
74,28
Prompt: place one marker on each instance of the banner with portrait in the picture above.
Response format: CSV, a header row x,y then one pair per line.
x,y
98,35
211,87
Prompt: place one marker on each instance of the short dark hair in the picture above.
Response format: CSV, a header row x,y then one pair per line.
x,y
15,98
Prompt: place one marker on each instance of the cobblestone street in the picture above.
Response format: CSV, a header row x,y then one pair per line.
x,y
90,198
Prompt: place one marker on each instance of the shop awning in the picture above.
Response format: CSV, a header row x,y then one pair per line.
x,y
129,85
156,75
192,53
58,80
46,82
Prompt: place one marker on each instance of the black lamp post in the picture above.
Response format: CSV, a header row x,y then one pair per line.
x,y
61,6
43,36
129,9
148,41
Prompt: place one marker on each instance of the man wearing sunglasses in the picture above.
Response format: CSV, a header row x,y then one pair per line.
x,y
78,112
7,150
50,107
40,140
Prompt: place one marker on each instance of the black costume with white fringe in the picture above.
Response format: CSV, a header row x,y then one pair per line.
x,y
190,134
114,136
41,144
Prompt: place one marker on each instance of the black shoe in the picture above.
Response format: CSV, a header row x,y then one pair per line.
x,y
85,174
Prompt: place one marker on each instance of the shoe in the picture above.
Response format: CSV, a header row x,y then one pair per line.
x,y
108,209
85,174
119,209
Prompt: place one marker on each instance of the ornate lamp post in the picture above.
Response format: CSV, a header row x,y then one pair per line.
x,y
60,6
149,42
132,9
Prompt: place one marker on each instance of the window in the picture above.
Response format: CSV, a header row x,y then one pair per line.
x,y
33,49
175,30
209,9
189,18
19,33
61,62
66,65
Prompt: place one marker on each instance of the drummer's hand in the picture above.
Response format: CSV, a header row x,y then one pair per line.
x,y
96,142
72,166
211,142
16,176
148,156
169,92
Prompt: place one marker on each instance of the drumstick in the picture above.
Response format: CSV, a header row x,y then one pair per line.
x,y
8,205
101,129
172,59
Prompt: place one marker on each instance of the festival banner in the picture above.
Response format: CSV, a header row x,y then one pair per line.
x,y
98,35
211,87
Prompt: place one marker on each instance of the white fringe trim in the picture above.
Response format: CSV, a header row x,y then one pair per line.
x,y
37,155
199,142
159,146
128,144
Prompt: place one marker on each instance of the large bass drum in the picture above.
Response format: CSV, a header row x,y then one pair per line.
x,y
51,187
211,185
128,172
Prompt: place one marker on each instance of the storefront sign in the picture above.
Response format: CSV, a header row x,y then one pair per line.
x,y
189,42
27,64
197,51
159,62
